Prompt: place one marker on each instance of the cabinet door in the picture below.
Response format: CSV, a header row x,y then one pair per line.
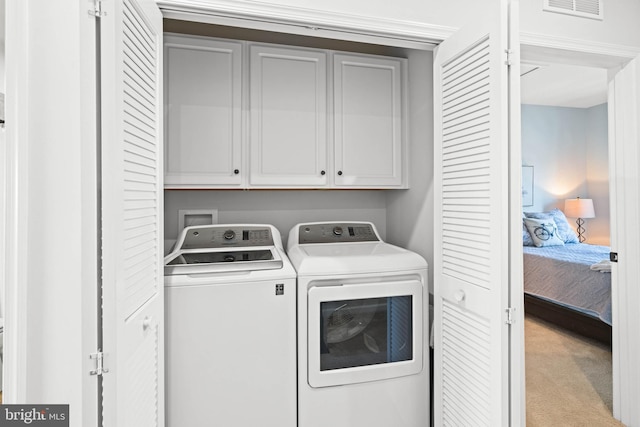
x,y
368,99
288,117
203,112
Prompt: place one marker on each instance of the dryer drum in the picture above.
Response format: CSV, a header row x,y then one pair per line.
x,y
346,319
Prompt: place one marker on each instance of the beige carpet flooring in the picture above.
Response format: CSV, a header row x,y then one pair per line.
x,y
568,378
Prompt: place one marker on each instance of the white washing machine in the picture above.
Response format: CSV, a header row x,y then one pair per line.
x,y
230,328
363,357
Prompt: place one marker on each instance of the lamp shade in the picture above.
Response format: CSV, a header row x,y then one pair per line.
x,y
579,208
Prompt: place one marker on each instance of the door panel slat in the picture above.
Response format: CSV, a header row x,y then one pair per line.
x,y
464,348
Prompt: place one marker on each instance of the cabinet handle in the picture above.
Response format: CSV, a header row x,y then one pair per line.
x,y
339,172
322,172
236,171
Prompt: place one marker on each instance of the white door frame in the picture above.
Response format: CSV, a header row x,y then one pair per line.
x,y
50,313
308,22
624,131
612,58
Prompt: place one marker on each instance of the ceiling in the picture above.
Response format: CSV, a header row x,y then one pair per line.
x,y
562,85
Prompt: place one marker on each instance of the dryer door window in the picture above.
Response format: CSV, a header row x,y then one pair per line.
x,y
361,332
364,332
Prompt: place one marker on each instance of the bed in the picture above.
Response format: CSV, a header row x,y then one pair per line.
x,y
568,283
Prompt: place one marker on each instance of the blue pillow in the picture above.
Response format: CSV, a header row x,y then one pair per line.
x,y
565,232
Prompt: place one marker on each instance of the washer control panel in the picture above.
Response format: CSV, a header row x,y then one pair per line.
x,y
219,236
337,232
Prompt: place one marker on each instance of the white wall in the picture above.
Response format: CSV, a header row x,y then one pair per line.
x,y
568,149
3,160
51,238
410,212
2,38
618,27
598,173
283,209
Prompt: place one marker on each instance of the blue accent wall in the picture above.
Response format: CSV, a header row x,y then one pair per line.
x,y
568,148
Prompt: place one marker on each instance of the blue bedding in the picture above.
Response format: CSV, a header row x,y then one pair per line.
x,y
562,274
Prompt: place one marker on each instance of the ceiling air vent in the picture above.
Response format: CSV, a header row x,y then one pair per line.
x,y
584,8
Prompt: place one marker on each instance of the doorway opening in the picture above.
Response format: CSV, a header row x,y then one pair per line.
x,y
564,117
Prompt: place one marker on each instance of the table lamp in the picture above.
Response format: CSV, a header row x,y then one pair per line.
x,y
580,209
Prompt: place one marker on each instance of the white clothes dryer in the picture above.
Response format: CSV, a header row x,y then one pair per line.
x,y
363,358
230,321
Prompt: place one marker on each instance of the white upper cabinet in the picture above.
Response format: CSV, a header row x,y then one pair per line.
x,y
241,114
288,116
369,127
203,113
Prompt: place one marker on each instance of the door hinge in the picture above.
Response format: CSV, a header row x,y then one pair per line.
x,y
509,53
613,256
100,368
97,9
510,318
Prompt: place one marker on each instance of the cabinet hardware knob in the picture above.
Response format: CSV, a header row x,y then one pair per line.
x,y
236,171
339,172
322,172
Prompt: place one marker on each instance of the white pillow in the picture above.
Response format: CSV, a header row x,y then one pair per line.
x,y
565,232
544,232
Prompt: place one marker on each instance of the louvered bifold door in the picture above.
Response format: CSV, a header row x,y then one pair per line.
x,y
471,225
132,219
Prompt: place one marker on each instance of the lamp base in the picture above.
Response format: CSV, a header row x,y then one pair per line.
x,y
581,230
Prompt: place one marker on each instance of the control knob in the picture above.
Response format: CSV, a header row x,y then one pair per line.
x,y
229,235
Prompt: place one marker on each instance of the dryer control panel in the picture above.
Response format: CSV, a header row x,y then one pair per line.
x,y
337,232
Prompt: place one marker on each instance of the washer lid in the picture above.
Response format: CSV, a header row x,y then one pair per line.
x,y
354,258
222,260
221,248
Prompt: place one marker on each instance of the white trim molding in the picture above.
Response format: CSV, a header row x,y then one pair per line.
x,y
577,51
309,22
367,29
